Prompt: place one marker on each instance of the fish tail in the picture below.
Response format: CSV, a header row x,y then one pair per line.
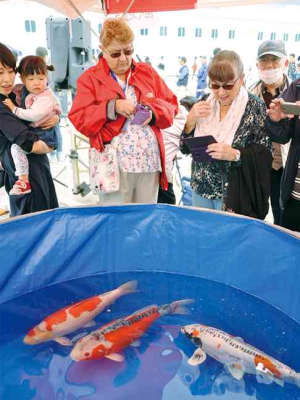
x,y
180,306
129,287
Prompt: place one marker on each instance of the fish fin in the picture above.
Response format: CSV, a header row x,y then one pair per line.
x,y
136,343
79,336
236,370
129,287
89,324
181,307
64,341
238,339
279,382
198,357
264,375
115,357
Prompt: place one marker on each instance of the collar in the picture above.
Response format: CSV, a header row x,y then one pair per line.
x,y
279,89
103,74
11,96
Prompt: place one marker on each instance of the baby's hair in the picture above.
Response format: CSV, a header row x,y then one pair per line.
x,y
33,64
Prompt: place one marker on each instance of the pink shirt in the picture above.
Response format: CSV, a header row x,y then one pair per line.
x,y
39,107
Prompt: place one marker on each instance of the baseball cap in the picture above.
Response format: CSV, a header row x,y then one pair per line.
x,y
273,47
41,52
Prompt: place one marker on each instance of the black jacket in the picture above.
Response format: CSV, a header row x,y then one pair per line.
x,y
282,132
43,195
248,188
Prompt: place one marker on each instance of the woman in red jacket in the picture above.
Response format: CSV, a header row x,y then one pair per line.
x,y
105,105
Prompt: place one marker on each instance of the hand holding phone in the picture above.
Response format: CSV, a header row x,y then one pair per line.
x,y
290,108
198,146
141,115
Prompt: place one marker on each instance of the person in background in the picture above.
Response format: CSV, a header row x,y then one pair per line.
x,y
236,119
216,50
195,66
282,128
298,71
105,105
292,67
202,78
171,138
56,154
271,64
13,130
183,77
43,53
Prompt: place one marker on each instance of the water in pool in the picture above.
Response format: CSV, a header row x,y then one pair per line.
x,y
158,368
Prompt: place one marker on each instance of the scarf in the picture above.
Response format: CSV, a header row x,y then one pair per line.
x,y
223,131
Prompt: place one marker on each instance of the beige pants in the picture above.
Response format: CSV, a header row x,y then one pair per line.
x,y
134,188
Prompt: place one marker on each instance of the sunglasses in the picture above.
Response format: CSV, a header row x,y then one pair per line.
x,y
229,86
267,60
118,54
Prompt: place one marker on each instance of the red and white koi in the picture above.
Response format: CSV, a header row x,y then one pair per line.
x,y
113,337
75,316
237,356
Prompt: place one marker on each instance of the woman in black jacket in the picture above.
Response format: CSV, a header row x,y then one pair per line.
x,y
13,130
281,129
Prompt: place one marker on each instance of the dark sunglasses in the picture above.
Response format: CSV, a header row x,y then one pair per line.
x,y
225,87
118,54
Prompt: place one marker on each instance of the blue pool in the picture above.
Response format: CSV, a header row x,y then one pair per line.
x,y
158,368
243,274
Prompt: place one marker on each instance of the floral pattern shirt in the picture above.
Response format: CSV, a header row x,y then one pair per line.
x,y
208,178
137,146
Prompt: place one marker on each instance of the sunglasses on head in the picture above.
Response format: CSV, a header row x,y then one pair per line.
x,y
228,86
118,54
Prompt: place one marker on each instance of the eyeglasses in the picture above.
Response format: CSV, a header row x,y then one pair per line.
x,y
266,60
118,54
229,86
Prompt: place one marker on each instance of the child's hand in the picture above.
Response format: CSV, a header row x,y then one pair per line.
x,y
9,104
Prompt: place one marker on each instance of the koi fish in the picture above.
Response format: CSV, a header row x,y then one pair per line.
x,y
75,316
113,337
237,356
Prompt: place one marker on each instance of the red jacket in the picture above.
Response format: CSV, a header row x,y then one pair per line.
x,y
96,87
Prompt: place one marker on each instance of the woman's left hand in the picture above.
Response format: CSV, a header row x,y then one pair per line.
x,y
221,151
50,123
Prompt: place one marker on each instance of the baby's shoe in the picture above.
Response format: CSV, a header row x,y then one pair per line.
x,y
20,187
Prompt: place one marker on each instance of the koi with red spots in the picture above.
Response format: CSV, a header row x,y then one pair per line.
x,y
113,337
237,356
75,316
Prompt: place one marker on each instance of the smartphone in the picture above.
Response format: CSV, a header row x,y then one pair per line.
x,y
290,108
198,146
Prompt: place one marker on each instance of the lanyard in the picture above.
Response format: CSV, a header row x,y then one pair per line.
x,y
123,87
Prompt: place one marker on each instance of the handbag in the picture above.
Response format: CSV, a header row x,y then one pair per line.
x,y
104,170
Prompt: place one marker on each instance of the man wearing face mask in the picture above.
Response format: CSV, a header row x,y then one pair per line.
x,y
271,62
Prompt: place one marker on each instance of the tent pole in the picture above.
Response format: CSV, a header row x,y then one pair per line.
x,y
128,8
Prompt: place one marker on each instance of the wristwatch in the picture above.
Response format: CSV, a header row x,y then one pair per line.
x,y
238,156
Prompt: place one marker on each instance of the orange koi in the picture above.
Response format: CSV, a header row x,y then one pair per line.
x,y
75,316
110,339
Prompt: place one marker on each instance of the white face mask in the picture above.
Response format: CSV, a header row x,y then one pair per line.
x,y
270,76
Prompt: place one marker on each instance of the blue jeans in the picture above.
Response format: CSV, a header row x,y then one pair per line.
x,y
199,201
